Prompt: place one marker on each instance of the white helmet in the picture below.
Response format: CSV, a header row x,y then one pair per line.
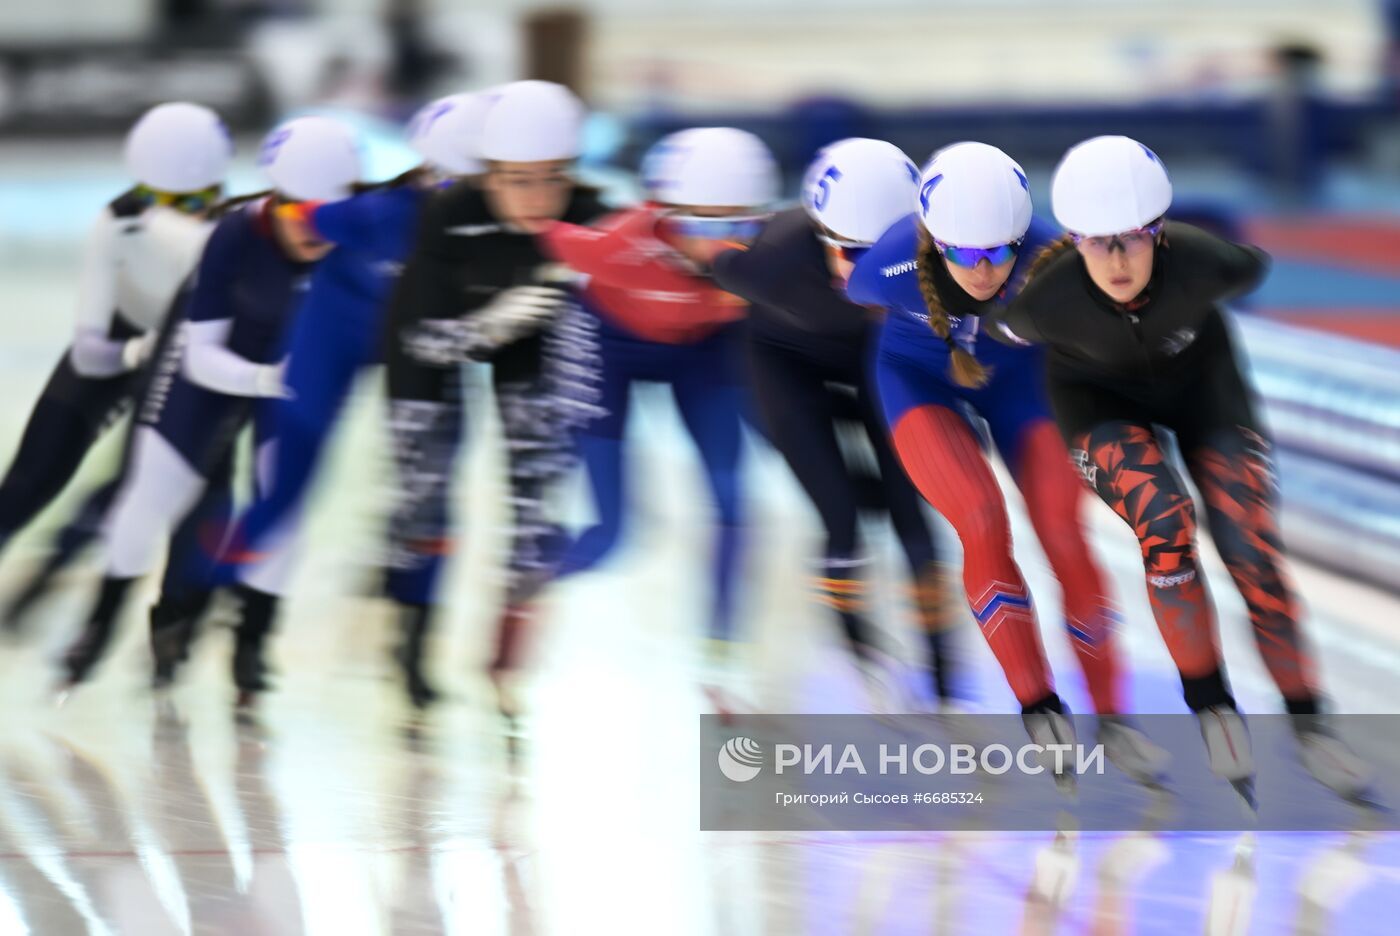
x,y
1108,185
974,195
532,121
716,167
311,159
655,167
178,147
858,188
447,133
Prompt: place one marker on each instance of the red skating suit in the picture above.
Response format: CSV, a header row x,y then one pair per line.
x,y
638,282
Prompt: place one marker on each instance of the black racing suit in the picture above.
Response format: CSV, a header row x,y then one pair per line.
x,y
809,348
464,258
75,407
1117,375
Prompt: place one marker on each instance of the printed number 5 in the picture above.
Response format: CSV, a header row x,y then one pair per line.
x,y
823,192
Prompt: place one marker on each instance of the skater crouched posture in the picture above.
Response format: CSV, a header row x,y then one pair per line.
x,y
224,371
1129,306
338,333
663,320
477,286
938,273
141,248
809,352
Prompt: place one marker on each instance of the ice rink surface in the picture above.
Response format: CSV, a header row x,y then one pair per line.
x,y
334,812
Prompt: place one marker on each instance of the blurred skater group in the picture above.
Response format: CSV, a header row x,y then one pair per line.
x,y
929,312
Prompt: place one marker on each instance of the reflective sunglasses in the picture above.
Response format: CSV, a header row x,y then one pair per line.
x,y
971,256
732,228
291,209
1132,243
186,202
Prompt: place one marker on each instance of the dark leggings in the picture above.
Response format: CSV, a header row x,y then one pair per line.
x,y
67,419
1125,464
189,570
806,409
710,399
801,411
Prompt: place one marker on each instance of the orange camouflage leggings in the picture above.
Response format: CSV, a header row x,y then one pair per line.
x,y
1125,465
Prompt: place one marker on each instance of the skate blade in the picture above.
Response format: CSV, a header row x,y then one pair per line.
x,y
63,692
246,712
163,679
1154,781
1245,788
422,702
71,673
1360,796
1158,787
168,714
1367,801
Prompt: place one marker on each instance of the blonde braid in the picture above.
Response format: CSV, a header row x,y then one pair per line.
x,y
963,366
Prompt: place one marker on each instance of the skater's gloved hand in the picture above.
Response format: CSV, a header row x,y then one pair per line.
x,y
270,381
511,315
438,342
137,351
517,312
559,276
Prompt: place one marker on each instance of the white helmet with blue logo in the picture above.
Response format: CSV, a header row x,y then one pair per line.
x,y
655,167
1109,185
974,195
857,188
178,147
532,121
311,159
715,167
447,133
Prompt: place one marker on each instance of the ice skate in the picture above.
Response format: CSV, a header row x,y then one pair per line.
x,y
250,672
83,655
172,632
1132,752
1229,749
1331,762
415,622
938,617
1048,724
13,616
